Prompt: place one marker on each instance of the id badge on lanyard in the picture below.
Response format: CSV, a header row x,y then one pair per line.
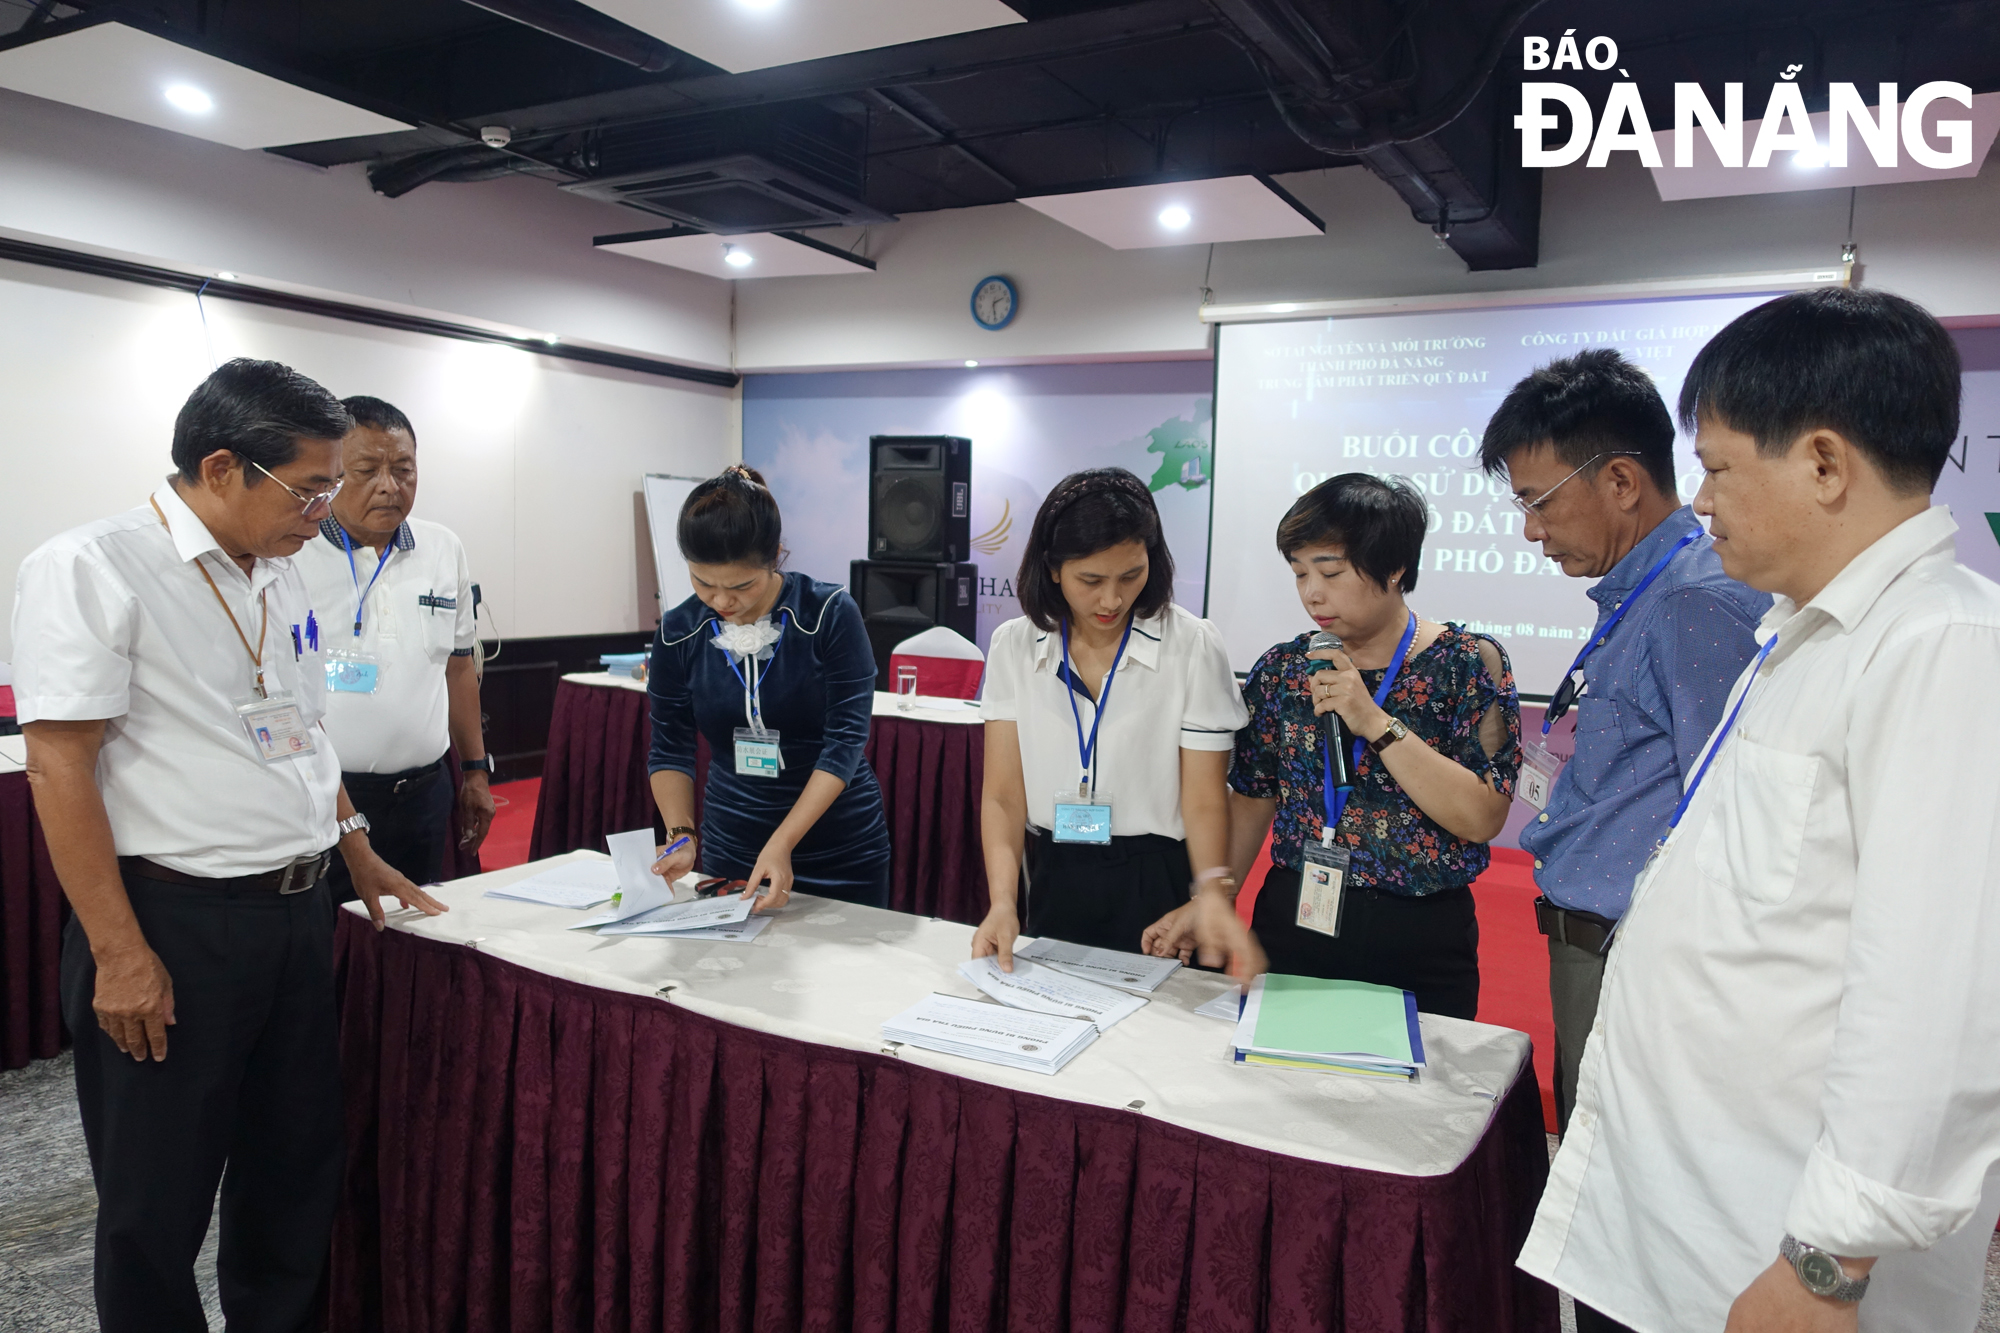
x,y
1081,816
1540,768
1323,872
757,750
277,728
352,672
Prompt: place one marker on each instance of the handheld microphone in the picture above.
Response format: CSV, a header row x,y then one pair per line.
x,y
1337,739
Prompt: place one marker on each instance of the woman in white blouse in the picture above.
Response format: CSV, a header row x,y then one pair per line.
x,y
1110,713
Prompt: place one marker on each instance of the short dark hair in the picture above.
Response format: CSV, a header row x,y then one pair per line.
x,y
259,411
376,414
1088,512
1377,522
1593,403
1876,367
731,519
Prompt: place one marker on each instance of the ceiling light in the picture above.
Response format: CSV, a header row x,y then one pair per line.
x,y
186,97
550,339
736,258
1174,217
759,5
972,365
225,275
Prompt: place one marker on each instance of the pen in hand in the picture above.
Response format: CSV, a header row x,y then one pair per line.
x,y
670,849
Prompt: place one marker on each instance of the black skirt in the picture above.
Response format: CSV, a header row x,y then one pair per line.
x,y
1428,946
1104,897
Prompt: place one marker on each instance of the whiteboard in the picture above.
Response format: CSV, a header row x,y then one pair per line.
x,y
665,494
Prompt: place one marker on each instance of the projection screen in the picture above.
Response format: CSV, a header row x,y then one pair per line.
x,y
1297,402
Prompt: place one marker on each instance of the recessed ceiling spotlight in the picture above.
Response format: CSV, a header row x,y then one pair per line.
x,y
1173,217
971,365
186,97
225,275
736,258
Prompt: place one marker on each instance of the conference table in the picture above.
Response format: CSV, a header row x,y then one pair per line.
x,y
550,1129
928,754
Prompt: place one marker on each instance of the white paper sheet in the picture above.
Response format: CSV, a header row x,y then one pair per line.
x,y
1039,1043
742,932
1047,991
639,889
672,918
574,884
1126,971
1224,1006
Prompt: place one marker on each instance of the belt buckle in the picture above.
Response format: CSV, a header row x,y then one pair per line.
x,y
315,863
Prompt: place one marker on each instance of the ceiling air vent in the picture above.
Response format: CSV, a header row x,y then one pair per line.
x,y
761,169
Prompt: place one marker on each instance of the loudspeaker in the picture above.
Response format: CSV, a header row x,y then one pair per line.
x,y
900,599
919,498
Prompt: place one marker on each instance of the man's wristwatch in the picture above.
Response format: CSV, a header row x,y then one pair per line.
x,y
1393,733
1821,1272
354,823
483,764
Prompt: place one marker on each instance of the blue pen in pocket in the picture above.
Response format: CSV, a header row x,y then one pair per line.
x,y
312,631
298,648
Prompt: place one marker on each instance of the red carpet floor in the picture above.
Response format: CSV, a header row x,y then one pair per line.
x,y
1513,961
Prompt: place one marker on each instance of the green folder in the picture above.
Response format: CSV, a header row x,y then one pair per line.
x,y
1315,1016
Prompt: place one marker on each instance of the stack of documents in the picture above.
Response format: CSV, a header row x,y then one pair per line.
x,y
1338,1027
1127,971
642,903
1047,991
573,884
1038,1043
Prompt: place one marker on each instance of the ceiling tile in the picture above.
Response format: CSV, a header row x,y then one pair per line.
x,y
1138,217
755,34
134,75
771,256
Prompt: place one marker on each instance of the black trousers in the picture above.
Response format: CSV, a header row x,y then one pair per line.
x,y
1104,897
1428,946
248,1095
409,819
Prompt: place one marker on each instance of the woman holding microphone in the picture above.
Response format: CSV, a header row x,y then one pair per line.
x,y
774,669
1370,883
1109,714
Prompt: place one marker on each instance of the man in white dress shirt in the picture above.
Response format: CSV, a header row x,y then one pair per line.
x,y
170,675
396,595
1793,1085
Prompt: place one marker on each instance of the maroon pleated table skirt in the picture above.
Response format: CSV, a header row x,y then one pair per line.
x,y
594,783
530,1153
33,912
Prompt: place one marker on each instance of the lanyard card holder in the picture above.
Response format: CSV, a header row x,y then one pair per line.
x,y
1322,887
757,753
350,672
1082,818
1539,770
278,731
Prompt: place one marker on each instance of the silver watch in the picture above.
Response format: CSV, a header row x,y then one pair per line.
x,y
1821,1272
354,823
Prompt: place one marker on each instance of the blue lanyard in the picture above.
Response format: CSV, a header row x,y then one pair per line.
x,y
1086,748
1550,717
355,574
1336,797
1715,747
753,698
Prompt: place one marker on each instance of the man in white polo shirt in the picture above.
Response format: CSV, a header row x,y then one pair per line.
x,y
396,598
168,669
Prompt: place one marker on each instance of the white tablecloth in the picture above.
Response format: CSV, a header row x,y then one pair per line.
x,y
923,707
13,753
829,972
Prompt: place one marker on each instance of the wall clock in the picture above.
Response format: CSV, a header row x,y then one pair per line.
x,y
994,301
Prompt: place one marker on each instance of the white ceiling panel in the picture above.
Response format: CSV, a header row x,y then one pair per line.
x,y
136,76
1140,217
1800,170
755,34
770,256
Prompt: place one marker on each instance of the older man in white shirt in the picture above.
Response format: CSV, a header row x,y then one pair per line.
x,y
1789,1109
170,674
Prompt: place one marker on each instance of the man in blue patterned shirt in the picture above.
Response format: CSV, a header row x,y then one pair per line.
x,y
1587,447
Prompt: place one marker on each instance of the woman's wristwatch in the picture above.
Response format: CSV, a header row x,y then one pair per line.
x,y
677,830
1394,732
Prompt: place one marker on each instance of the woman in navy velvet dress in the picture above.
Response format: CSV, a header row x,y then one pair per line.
x,y
774,669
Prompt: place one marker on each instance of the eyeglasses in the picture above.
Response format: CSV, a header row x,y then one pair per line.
x,y
1534,507
315,505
